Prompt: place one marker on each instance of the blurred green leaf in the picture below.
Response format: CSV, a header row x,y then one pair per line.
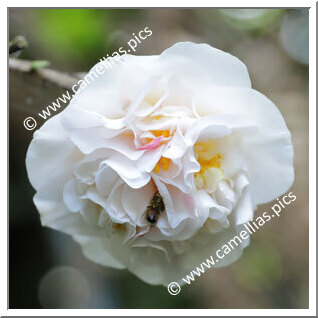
x,y
79,34
259,268
39,64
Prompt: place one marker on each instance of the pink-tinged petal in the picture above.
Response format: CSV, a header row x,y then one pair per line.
x,y
188,202
152,145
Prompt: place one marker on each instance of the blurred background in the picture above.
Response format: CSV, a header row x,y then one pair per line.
x,y
47,269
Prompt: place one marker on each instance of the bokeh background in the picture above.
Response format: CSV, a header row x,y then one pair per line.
x,y
47,269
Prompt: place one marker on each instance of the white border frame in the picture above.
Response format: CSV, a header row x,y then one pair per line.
x,y
312,162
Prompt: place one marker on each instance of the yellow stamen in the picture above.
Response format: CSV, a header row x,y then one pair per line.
x,y
157,168
210,173
157,133
163,163
214,162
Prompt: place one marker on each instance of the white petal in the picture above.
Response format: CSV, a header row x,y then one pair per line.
x,y
205,129
105,180
114,205
177,146
71,197
149,159
150,263
85,170
128,171
95,250
135,202
175,205
214,67
55,215
244,210
50,158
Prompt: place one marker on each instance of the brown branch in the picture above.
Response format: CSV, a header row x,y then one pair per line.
x,y
60,79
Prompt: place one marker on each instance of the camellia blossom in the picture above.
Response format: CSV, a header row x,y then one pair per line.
x,y
160,161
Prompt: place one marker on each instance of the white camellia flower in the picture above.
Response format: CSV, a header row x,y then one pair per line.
x,y
160,161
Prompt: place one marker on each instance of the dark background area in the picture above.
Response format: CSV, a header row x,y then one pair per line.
x,y
47,269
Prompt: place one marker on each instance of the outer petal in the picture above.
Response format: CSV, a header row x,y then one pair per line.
x,y
50,158
54,214
213,67
94,250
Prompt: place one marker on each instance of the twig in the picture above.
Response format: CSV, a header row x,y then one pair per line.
x,y
61,79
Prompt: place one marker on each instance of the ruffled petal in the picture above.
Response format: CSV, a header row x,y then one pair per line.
x,y
269,153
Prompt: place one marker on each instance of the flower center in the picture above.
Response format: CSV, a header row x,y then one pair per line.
x,y
160,137
210,173
163,163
